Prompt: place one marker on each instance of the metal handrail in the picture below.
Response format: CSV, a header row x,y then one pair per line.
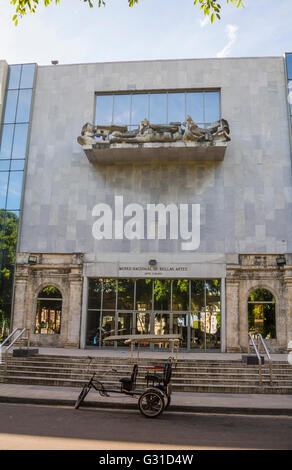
x,y
259,337
10,336
258,356
21,332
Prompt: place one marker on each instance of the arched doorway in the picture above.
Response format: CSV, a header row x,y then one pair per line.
x,y
262,313
48,311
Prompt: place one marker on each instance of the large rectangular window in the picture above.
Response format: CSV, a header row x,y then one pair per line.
x,y
189,307
129,109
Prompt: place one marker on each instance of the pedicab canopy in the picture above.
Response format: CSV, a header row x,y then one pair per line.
x,y
173,339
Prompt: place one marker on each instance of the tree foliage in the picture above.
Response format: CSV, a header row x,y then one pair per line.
x,y
210,8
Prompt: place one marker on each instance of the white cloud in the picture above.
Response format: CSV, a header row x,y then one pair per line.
x,y
231,31
204,22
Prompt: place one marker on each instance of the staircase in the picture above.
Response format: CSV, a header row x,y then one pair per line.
x,y
204,376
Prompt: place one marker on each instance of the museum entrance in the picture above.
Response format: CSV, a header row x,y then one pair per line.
x,y
189,307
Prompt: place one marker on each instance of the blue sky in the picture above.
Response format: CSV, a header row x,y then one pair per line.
x,y
154,29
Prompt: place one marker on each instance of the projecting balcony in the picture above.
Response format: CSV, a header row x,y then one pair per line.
x,y
176,142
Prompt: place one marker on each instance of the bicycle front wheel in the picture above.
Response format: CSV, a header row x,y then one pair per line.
x,y
82,395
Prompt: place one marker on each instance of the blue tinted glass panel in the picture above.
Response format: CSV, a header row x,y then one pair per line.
x,y
17,165
122,105
23,107
3,189
20,140
27,76
10,107
158,108
6,141
14,190
139,108
195,106
176,107
212,106
14,76
290,94
104,109
4,165
289,65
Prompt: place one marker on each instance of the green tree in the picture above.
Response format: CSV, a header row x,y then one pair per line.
x,y
8,240
210,8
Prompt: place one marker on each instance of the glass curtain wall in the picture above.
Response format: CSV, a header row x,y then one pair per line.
x,y
13,148
121,307
159,108
289,76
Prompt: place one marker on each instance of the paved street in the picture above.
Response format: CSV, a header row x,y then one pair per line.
x,y
47,427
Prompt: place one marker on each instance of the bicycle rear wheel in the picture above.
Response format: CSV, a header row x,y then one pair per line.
x,y
151,404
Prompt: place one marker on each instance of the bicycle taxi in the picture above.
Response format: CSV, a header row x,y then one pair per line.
x,y
156,395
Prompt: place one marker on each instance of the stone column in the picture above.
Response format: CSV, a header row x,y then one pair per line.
x,y
232,316
74,313
19,307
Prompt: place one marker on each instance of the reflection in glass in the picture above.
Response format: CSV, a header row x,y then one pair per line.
x,y
289,65
212,106
180,327
23,107
94,293
122,105
49,311
104,109
162,294
125,326
3,188
195,106
126,294
10,106
176,107
27,76
180,295
143,294
262,313
197,313
161,324
4,165
14,190
20,141
213,313
93,335
107,327
143,323
17,165
158,108
109,294
14,76
139,108
6,141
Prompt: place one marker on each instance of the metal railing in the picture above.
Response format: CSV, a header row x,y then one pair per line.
x,y
11,340
260,341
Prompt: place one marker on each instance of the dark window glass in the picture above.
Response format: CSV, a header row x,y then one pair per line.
x,y
125,326
17,165
180,295
125,294
180,327
107,327
195,107
3,188
4,165
27,76
122,105
94,293
14,76
10,107
49,311
158,108
143,294
23,107
139,108
162,294
104,109
94,331
6,141
109,294
20,141
212,106
14,190
289,65
290,94
176,107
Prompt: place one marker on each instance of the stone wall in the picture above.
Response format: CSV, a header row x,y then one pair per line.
x,y
3,79
61,271
249,273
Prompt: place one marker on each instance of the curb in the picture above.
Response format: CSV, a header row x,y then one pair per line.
x,y
130,406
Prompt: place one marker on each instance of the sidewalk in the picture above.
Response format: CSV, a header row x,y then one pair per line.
x,y
181,402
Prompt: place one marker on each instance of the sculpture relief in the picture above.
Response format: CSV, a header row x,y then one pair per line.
x,y
187,131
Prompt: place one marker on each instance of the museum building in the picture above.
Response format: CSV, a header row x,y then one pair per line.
x,y
148,197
